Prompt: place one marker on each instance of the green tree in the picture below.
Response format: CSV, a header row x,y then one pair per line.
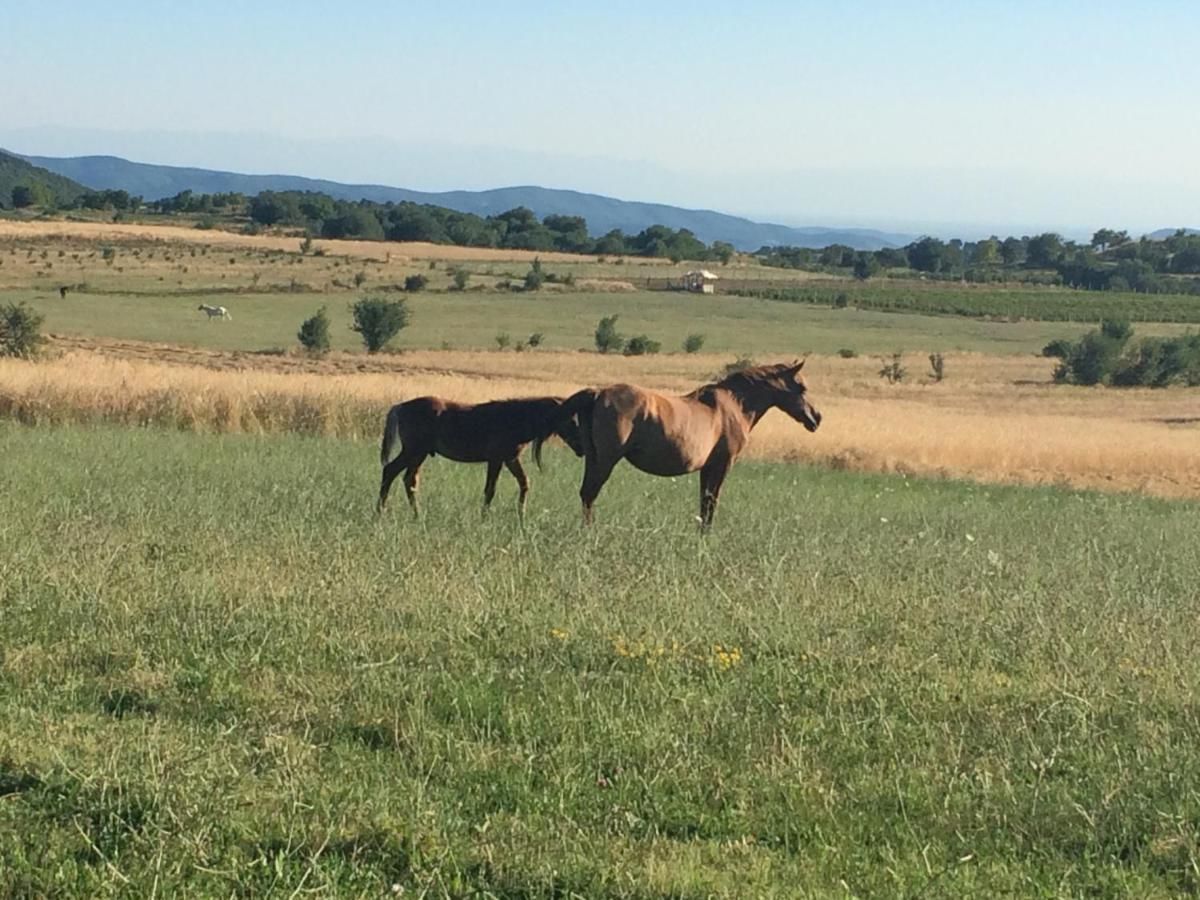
x,y
1044,250
693,343
414,283
20,331
461,277
608,339
26,195
314,333
535,276
378,321
986,253
865,266
926,255
723,251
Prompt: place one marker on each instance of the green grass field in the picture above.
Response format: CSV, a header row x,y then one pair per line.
x,y
222,675
472,320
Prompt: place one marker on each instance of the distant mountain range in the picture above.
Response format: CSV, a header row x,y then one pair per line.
x,y
602,213
1164,233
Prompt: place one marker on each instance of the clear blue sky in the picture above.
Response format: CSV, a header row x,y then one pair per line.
x,y
1068,114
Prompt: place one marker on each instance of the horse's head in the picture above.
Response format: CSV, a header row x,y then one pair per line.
x,y
792,396
567,428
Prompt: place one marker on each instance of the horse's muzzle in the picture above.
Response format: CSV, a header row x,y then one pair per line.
x,y
812,420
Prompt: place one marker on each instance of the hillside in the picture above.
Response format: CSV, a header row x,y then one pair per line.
x,y
16,171
602,213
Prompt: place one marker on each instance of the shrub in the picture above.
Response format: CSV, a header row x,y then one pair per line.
x,y
360,278
1093,359
1116,329
693,343
893,372
378,321
608,339
414,283
20,331
314,333
503,340
535,277
535,339
1059,348
641,345
461,277
841,301
306,244
1158,362
937,366
847,353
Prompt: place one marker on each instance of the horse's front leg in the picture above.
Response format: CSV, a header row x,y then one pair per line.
x,y
712,476
489,486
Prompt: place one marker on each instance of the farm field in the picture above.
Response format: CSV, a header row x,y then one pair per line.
x,y
567,321
222,674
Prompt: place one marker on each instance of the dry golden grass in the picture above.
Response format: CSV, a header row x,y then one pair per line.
x,y
995,419
126,231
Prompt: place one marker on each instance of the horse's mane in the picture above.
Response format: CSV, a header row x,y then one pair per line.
x,y
751,375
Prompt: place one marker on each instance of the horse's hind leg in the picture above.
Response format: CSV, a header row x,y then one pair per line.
x,y
489,486
518,472
390,472
411,478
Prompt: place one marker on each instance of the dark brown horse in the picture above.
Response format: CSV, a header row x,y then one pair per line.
x,y
668,435
494,433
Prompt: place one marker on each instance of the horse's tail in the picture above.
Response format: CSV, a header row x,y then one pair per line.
x,y
391,432
563,423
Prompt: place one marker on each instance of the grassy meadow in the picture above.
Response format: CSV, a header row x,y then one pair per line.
x,y
222,675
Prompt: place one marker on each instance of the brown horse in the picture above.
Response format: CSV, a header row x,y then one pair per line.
x,y
494,433
668,435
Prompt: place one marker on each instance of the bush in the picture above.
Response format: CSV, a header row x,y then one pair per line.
x,y
360,278
461,277
306,245
841,301
314,333
693,343
20,331
641,345
535,339
608,339
503,340
414,283
535,277
1059,348
847,353
1116,329
893,372
378,321
1092,360
937,366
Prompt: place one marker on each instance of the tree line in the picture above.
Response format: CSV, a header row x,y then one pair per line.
x,y
518,229
1110,261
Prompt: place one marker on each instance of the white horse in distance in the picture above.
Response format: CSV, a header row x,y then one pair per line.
x,y
215,312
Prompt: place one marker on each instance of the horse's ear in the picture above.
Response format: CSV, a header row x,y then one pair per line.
x,y
797,366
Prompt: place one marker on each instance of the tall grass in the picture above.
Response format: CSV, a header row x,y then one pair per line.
x,y
221,674
975,424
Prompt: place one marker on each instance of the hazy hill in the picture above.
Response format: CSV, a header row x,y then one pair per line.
x,y
17,171
602,213
1164,233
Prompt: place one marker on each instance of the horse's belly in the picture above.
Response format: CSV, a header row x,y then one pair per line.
x,y
660,463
